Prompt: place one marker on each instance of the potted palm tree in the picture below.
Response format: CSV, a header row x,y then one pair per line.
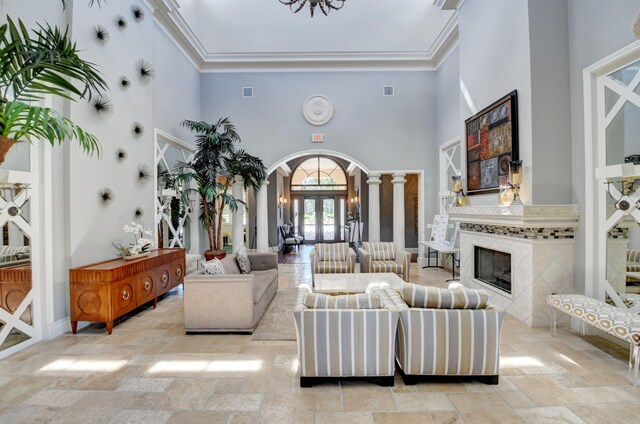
x,y
213,170
36,64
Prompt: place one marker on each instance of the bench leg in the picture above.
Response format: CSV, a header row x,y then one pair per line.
x,y
583,328
554,320
634,365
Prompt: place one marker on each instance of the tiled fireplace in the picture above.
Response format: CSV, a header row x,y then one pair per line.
x,y
519,254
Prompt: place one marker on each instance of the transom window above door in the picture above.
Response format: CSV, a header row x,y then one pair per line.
x,y
319,174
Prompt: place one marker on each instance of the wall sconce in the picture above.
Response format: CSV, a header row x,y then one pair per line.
x,y
282,201
460,199
515,179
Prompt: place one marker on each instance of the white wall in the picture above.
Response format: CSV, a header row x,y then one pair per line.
x,y
495,60
551,112
597,28
383,133
449,124
90,227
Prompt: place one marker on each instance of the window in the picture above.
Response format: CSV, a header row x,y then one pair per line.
x,y
318,173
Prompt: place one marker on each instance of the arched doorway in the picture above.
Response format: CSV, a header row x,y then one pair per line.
x,y
319,191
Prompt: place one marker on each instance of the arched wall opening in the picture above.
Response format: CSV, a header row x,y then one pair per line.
x,y
280,212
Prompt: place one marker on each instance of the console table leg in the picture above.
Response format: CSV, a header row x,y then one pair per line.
x,y
155,302
109,327
74,327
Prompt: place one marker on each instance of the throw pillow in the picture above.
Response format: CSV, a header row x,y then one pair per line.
x,y
349,301
433,297
242,256
213,267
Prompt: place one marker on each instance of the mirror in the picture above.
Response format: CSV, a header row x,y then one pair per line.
x,y
15,265
624,125
172,216
623,261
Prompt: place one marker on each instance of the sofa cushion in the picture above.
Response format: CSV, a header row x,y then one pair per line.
x,y
242,257
332,251
213,267
230,264
382,251
263,279
386,266
350,301
433,297
332,267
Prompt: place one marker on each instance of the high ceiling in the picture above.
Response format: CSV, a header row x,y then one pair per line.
x,y
245,33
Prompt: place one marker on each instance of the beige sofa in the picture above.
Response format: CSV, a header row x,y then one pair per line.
x,y
233,302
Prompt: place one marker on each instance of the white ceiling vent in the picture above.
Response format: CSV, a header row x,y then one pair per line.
x,y
247,91
388,91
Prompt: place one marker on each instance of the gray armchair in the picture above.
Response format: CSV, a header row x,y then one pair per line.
x,y
384,257
332,258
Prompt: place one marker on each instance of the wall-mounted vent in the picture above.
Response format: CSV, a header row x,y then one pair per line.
x,y
388,91
247,91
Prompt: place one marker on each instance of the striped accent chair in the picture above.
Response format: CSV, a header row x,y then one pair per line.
x,y
345,337
447,332
633,264
332,258
384,257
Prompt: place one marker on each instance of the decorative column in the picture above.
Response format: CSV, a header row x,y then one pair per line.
x,y
237,233
398,209
262,223
374,205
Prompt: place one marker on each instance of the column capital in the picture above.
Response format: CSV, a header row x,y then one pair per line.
x,y
398,178
374,178
238,179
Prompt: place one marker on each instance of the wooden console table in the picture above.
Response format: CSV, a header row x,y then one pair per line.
x,y
107,290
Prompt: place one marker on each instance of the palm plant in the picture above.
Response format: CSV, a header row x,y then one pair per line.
x,y
32,66
213,170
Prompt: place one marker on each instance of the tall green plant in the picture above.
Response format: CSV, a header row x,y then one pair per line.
x,y
35,65
213,170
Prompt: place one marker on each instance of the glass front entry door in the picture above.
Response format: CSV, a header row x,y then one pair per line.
x,y
321,218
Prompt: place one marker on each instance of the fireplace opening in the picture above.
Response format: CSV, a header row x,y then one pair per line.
x,y
493,267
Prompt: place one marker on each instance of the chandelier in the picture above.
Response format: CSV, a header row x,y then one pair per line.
x,y
324,5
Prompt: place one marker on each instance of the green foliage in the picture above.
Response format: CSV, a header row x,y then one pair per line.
x,y
46,62
213,169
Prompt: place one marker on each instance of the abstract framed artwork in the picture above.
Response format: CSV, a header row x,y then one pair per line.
x,y
492,141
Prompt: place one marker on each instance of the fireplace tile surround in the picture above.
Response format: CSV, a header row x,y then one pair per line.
x,y
540,240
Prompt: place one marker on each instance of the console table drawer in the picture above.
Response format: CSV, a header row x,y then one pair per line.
x,y
104,291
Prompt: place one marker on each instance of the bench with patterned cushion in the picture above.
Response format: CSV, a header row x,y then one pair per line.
x,y
614,321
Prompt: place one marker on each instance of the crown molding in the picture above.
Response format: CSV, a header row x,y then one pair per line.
x,y
167,15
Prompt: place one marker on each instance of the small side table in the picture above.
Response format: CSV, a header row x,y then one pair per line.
x,y
442,248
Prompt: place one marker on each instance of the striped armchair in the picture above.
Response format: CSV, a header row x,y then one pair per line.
x,y
346,336
447,332
384,257
332,258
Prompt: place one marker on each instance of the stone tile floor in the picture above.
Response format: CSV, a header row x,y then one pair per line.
x,y
149,371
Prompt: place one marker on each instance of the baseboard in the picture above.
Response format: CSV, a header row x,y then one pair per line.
x,y
63,326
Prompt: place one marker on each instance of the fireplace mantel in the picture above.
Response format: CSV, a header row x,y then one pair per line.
x,y
519,216
540,240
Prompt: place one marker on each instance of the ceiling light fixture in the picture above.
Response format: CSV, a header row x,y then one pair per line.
x,y
324,5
